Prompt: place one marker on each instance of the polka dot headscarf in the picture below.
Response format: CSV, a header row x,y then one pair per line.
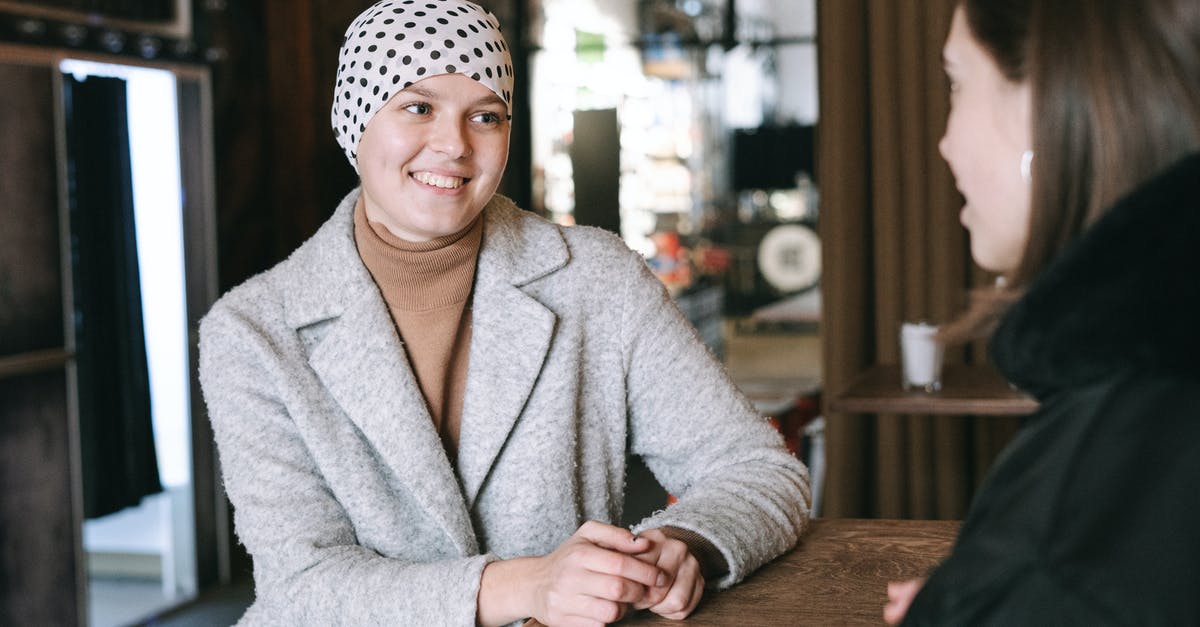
x,y
396,43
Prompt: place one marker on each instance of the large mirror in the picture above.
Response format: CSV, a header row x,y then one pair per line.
x,y
110,221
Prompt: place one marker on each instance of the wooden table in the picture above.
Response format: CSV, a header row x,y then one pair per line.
x,y
974,390
837,575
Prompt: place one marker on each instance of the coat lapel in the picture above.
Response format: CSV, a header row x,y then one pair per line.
x,y
362,364
511,335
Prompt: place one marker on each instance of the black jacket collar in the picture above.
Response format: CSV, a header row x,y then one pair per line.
x,y
1125,294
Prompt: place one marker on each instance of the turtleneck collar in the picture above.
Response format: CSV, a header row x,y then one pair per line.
x,y
418,276
1124,295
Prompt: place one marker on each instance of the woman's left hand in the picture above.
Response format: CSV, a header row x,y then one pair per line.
x,y
683,585
900,596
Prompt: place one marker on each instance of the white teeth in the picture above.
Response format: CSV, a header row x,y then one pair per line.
x,y
437,180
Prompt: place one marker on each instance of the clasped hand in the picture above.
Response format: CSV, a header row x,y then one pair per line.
x,y
602,571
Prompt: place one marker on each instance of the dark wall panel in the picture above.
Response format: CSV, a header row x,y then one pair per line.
x,y
37,537
31,306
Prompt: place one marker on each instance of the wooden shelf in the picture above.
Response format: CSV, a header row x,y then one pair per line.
x,y
33,363
975,390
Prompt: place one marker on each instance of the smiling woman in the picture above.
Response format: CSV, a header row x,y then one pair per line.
x,y
433,156
424,414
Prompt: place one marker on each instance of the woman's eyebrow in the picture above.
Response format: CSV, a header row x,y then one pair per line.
x,y
419,91
490,99
429,94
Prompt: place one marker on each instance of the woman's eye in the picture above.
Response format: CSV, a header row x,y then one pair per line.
x,y
418,108
487,117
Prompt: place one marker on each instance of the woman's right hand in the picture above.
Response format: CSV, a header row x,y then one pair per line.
x,y
900,596
589,580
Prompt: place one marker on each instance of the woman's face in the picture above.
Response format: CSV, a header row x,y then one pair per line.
x,y
986,134
433,156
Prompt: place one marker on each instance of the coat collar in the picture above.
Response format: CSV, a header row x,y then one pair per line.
x,y
361,361
517,248
1125,294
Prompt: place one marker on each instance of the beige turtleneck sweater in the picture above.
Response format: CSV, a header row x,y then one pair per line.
x,y
427,288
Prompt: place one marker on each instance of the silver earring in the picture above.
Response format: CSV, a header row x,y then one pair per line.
x,y
1027,166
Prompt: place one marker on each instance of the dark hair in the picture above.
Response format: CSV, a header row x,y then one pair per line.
x,y
1116,99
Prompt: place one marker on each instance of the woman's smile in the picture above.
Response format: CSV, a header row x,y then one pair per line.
x,y
440,181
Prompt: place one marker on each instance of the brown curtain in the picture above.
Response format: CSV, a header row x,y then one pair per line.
x,y
893,251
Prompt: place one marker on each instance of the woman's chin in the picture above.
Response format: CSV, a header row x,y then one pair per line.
x,y
991,262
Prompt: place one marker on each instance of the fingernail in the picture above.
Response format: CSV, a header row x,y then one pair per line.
x,y
661,581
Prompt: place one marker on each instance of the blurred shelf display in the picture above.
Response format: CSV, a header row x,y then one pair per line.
x,y
682,84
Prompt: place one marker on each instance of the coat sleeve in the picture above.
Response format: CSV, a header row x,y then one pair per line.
x,y
736,483
309,568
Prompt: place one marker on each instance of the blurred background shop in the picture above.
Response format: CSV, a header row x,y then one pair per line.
x,y
157,153
687,128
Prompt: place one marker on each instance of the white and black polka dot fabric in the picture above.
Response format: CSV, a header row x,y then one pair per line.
x,y
396,43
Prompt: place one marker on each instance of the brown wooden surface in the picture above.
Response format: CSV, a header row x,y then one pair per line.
x,y
837,575
974,390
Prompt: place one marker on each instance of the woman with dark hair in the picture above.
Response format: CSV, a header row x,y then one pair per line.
x,y
424,413
1073,136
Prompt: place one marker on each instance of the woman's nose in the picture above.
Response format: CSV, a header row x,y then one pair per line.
x,y
450,139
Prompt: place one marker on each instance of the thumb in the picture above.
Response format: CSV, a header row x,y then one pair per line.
x,y
612,537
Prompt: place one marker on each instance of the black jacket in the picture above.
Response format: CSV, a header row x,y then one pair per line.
x,y
1092,514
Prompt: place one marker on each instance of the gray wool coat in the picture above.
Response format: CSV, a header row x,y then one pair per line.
x,y
343,493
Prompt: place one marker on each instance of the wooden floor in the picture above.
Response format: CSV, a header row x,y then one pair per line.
x,y
223,606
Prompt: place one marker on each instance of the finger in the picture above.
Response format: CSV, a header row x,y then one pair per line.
x,y
674,558
679,597
655,540
587,609
655,594
894,612
606,562
610,588
902,592
697,594
904,589
652,597
900,596
611,537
